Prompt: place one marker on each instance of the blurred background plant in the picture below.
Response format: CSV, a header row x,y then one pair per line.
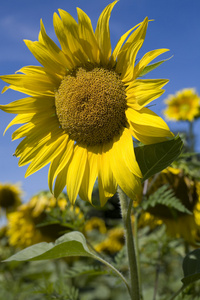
x,y
166,226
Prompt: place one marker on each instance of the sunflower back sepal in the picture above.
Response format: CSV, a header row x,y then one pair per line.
x,y
153,66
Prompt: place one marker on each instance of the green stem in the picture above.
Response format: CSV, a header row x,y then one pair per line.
x,y
191,136
177,293
136,216
126,207
98,257
115,270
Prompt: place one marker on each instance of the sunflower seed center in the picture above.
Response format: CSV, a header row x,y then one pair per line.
x,y
91,104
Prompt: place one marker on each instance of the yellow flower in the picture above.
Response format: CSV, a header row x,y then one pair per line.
x,y
95,223
23,229
113,242
178,224
183,106
10,196
85,107
44,201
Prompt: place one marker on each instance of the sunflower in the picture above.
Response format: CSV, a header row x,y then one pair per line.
x,y
10,196
113,243
95,223
183,106
24,225
85,106
178,224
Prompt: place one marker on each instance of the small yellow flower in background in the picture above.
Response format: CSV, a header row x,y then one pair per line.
x,y
183,106
95,223
85,106
113,242
10,196
44,201
178,224
22,228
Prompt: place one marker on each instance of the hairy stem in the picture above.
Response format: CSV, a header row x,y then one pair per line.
x,y
126,207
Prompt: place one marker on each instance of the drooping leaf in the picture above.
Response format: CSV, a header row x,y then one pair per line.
x,y
70,244
154,158
191,267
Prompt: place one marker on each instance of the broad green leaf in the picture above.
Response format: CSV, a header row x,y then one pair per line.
x,y
191,267
70,244
154,158
151,67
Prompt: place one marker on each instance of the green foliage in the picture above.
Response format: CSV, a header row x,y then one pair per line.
x,y
189,163
80,270
154,158
165,196
191,267
70,244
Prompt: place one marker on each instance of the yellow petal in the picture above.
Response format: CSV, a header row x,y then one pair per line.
x,y
30,104
142,92
72,35
32,85
89,177
128,181
126,61
75,172
46,58
146,59
147,140
60,182
22,131
59,162
103,194
146,117
48,152
20,119
107,183
36,135
37,120
53,49
102,33
87,37
127,54
61,35
119,45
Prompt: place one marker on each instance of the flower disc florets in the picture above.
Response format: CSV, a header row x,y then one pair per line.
x,y
91,104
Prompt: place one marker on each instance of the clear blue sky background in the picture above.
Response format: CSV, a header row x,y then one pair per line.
x,y
176,26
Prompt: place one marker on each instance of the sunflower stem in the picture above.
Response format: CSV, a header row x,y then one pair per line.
x,y
126,208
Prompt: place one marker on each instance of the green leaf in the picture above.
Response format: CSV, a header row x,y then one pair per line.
x,y
154,158
70,244
153,66
165,196
191,267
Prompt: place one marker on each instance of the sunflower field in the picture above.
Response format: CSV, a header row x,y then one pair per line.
x,y
120,218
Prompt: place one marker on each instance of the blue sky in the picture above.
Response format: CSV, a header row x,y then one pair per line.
x,y
176,26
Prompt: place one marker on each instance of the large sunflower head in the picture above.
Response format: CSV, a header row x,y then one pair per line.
x,y
85,105
183,106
